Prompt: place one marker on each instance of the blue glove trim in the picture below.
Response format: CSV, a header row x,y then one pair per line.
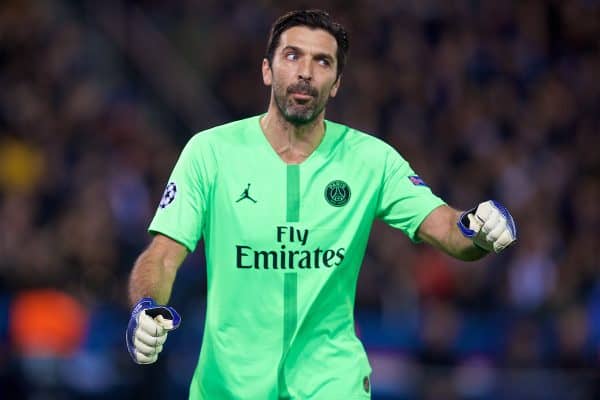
x,y
153,310
463,224
510,222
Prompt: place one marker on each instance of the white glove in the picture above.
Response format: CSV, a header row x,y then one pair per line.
x,y
490,225
149,337
147,330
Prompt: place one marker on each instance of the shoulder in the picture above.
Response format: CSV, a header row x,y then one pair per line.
x,y
363,145
205,147
235,131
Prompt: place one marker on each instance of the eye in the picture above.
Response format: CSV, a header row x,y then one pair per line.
x,y
324,62
291,56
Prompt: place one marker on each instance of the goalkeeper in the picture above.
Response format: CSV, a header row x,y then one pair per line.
x,y
284,202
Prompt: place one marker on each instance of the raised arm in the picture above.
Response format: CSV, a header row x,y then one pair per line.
x,y
472,234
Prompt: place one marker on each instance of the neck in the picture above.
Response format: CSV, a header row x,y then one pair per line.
x,y
293,143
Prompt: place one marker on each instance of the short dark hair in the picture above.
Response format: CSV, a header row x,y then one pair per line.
x,y
316,19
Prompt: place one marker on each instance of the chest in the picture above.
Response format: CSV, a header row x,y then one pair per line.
x,y
263,193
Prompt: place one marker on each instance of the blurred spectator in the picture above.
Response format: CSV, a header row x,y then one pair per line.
x,y
46,326
46,323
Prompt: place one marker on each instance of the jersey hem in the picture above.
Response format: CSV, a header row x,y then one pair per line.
x,y
413,235
154,232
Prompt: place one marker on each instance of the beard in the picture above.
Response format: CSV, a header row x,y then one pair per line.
x,y
299,112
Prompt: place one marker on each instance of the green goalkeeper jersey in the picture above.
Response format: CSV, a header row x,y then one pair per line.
x,y
284,244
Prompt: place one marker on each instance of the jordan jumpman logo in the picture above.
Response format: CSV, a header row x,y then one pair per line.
x,y
245,195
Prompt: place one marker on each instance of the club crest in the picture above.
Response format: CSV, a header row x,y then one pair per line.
x,y
337,193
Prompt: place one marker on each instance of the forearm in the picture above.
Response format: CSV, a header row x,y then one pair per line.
x,y
442,232
154,272
459,246
150,278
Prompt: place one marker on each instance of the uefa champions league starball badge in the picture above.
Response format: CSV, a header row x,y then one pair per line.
x,y
168,195
337,193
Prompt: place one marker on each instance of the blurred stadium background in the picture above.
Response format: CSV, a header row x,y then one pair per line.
x,y
487,99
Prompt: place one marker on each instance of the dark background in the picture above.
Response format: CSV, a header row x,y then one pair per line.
x,y
486,99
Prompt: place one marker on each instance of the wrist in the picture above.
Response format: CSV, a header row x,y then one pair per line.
x,y
142,304
465,226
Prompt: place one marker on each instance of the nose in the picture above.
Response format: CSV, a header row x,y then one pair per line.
x,y
305,70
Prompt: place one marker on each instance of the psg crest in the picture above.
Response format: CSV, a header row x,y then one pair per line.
x,y
337,193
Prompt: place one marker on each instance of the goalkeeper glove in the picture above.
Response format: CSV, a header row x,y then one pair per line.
x,y
148,328
489,225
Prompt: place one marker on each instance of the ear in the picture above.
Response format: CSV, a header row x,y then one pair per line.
x,y
335,87
267,73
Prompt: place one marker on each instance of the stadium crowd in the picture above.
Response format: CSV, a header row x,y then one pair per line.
x,y
486,99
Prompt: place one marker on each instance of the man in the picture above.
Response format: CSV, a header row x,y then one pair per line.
x,y
285,202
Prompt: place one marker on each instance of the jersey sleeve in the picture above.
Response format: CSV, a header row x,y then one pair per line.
x,y
181,212
405,200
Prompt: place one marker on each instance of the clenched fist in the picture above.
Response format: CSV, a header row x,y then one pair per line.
x,y
489,225
148,328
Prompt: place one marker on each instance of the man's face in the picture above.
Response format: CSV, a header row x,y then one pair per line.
x,y
303,73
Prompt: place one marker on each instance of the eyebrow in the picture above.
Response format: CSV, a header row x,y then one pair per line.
x,y
319,56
